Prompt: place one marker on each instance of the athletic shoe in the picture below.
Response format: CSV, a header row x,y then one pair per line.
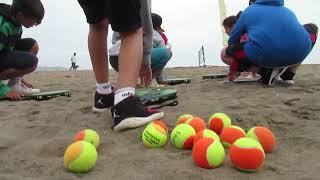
x,y
21,88
131,113
102,102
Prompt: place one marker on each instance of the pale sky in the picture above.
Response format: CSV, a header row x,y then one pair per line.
x,y
188,24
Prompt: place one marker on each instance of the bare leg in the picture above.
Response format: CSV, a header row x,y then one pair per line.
x,y
130,58
97,44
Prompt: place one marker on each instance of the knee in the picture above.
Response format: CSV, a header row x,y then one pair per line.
x,y
35,48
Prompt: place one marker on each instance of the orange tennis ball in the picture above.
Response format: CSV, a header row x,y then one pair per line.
x,y
88,135
230,134
183,118
218,121
182,136
80,156
206,133
196,122
208,153
264,136
247,154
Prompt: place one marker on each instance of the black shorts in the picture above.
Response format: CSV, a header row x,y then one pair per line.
x,y
21,57
124,15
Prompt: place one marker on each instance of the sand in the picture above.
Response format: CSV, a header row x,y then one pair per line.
x,y
34,135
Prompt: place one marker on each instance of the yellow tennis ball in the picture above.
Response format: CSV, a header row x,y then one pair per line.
x,y
183,118
88,135
230,134
206,133
264,136
247,154
182,136
208,153
155,135
80,157
218,121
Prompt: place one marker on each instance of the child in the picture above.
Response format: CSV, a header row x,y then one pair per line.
x,y
18,56
228,24
127,111
275,38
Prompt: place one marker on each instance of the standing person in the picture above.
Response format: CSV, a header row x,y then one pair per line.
x,y
18,56
73,62
271,48
127,111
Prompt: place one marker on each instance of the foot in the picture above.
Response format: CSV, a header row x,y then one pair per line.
x,y
102,102
21,88
130,113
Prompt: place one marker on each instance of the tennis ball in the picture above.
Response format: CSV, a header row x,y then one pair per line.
x,y
182,136
80,156
230,134
196,122
208,153
155,135
88,135
264,136
183,118
206,133
218,121
247,154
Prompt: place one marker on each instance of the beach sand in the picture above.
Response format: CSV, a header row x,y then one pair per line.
x,y
34,135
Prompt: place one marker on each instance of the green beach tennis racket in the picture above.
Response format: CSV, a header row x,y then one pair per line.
x,y
44,95
177,81
152,96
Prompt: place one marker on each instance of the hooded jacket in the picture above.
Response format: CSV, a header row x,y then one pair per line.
x,y
275,36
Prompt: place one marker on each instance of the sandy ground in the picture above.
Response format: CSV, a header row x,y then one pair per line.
x,y
34,135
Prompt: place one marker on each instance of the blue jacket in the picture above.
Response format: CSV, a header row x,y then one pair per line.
x,y
276,38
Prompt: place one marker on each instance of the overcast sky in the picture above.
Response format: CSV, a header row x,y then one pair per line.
x,y
188,24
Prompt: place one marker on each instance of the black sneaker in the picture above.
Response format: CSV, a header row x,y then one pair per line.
x,y
265,74
130,113
102,102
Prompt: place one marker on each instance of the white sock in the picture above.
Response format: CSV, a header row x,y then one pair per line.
x,y
123,93
104,88
16,80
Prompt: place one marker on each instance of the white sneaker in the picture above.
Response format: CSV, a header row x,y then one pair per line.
x,y
21,88
279,80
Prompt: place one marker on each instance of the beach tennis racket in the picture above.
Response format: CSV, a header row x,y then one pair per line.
x,y
44,95
151,96
177,81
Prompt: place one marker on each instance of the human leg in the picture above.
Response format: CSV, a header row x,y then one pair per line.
x,y
97,17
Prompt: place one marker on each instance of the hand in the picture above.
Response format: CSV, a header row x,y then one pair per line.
x,y
28,85
232,75
146,74
14,96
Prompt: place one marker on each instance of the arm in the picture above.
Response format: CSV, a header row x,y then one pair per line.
x,y
147,30
238,30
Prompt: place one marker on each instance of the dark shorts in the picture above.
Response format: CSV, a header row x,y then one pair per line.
x,y
21,57
124,15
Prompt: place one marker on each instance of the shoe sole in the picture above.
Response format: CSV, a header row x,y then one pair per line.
x,y
97,110
135,122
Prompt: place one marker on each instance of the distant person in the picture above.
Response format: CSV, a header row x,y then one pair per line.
x,y
271,38
18,56
126,109
73,62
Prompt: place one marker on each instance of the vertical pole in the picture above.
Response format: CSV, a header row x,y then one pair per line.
x,y
204,58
